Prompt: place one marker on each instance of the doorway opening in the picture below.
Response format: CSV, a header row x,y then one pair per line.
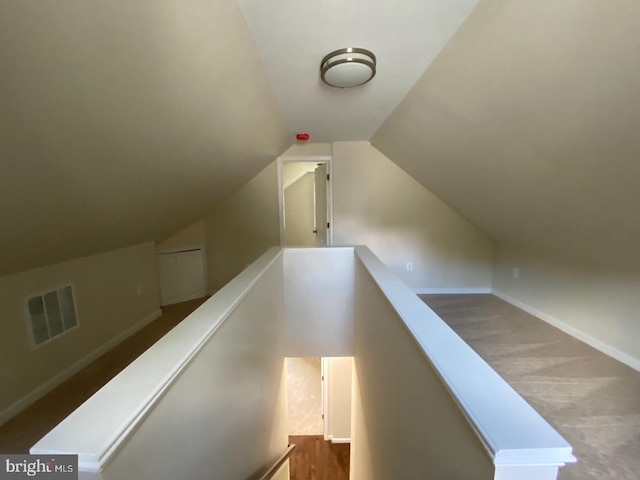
x,y
304,185
319,416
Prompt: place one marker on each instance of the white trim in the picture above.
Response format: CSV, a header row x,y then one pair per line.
x,y
451,290
328,159
324,368
20,405
573,331
280,200
340,440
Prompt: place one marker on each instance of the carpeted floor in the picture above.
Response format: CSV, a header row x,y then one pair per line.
x,y
24,430
590,398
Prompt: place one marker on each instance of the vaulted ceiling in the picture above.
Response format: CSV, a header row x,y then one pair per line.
x,y
292,37
122,121
528,124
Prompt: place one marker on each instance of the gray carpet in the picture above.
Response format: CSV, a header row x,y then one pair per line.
x,y
590,398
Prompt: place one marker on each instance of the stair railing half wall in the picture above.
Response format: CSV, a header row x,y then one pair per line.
x,y
208,400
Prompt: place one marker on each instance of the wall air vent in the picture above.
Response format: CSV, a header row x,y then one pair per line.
x,y
51,314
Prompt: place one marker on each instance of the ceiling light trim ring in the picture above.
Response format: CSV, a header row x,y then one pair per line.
x,y
326,64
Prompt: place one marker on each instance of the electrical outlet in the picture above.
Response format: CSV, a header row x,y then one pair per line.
x,y
409,266
140,288
515,272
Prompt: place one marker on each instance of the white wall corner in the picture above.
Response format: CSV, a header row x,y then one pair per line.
x,y
20,405
571,330
452,290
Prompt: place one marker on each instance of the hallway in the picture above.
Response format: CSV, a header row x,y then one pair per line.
x,y
25,429
590,398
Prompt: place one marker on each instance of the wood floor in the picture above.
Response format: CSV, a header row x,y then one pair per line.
x,y
317,459
24,430
590,398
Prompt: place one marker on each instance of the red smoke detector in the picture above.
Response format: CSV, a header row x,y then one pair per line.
x,y
303,137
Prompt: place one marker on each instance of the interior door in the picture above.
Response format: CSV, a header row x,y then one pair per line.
x,y
321,205
181,276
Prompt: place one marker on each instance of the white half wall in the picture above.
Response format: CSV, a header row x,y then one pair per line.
x,y
596,305
405,422
420,389
423,399
318,301
208,400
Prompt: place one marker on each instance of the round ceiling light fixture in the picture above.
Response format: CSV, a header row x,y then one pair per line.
x,y
348,67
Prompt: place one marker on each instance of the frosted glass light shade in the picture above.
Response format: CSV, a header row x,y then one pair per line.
x,y
348,67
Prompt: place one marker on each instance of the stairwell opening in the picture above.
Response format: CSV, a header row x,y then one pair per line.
x,y
319,405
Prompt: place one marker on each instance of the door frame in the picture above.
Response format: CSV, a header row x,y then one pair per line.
x,y
324,368
309,158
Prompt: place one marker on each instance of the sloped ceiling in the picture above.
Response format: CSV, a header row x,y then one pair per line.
x,y
292,37
121,121
294,171
528,124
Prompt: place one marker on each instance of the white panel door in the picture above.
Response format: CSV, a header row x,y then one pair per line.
x,y
181,276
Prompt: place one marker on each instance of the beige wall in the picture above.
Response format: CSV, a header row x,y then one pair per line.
x,y
191,236
242,228
592,301
304,396
299,212
377,204
105,287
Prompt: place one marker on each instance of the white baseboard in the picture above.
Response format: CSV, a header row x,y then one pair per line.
x,y
574,332
340,440
18,406
332,439
459,291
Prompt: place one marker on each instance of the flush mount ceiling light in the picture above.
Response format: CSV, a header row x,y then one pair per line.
x,y
348,67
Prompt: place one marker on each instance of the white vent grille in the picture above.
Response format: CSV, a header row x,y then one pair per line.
x,y
51,314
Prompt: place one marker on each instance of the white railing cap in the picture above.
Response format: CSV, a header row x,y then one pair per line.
x,y
97,429
510,429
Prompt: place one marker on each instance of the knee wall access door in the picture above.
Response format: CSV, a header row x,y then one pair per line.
x,y
181,276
